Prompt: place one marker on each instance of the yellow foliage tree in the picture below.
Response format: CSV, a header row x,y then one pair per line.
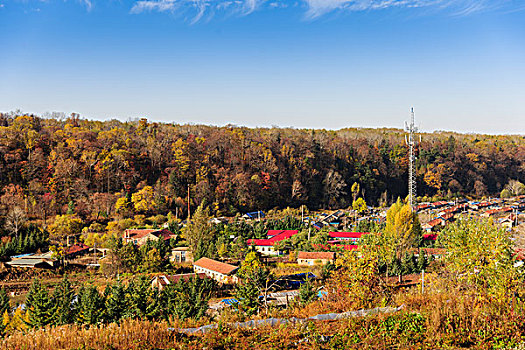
x,y
401,232
16,323
357,282
65,225
480,254
144,200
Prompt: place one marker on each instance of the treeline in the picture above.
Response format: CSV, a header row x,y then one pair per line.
x,y
87,306
29,240
101,170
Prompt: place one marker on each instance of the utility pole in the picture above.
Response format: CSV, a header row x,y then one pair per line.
x,y
411,142
189,213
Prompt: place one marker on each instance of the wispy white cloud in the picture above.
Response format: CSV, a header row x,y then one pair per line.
x,y
315,8
198,7
87,3
198,10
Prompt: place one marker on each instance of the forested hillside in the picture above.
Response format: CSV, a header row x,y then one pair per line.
x,y
52,166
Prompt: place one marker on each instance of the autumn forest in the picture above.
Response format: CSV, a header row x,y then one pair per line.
x,y
56,164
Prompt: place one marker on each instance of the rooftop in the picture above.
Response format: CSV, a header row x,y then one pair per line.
x,y
215,265
347,234
316,255
278,235
75,248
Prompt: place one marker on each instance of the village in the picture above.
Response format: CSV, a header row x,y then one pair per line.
x,y
295,257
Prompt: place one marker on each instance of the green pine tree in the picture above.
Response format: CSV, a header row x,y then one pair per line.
x,y
4,301
407,264
154,308
39,305
247,295
116,303
395,267
307,292
422,261
139,295
4,307
63,297
90,306
187,299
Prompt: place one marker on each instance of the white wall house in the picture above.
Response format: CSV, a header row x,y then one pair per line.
x,y
219,271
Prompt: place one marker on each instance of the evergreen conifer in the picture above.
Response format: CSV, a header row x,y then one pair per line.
x,y
116,303
90,306
187,299
307,292
4,301
139,295
407,264
40,307
63,297
422,261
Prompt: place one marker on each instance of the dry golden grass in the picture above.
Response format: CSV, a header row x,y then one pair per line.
x,y
129,334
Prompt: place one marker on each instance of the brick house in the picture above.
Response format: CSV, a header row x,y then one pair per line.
x,y
219,271
141,236
315,258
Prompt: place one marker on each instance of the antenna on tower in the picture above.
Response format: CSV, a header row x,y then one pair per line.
x,y
411,142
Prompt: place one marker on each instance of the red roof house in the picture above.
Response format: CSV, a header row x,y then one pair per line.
x,y
76,249
141,236
352,236
265,246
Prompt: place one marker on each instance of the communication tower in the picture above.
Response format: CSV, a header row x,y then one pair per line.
x,y
411,129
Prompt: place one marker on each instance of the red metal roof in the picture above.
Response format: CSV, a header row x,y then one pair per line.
x,y
272,233
347,234
495,211
434,222
430,236
280,236
447,216
77,247
343,246
165,234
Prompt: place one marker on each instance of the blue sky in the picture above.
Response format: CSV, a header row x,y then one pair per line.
x,y
305,63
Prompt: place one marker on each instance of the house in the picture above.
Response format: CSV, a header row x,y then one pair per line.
x,y
141,236
439,204
160,282
430,237
254,215
315,258
481,205
422,206
509,221
496,211
181,255
44,261
433,224
330,246
446,217
452,210
265,246
76,250
219,271
346,236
